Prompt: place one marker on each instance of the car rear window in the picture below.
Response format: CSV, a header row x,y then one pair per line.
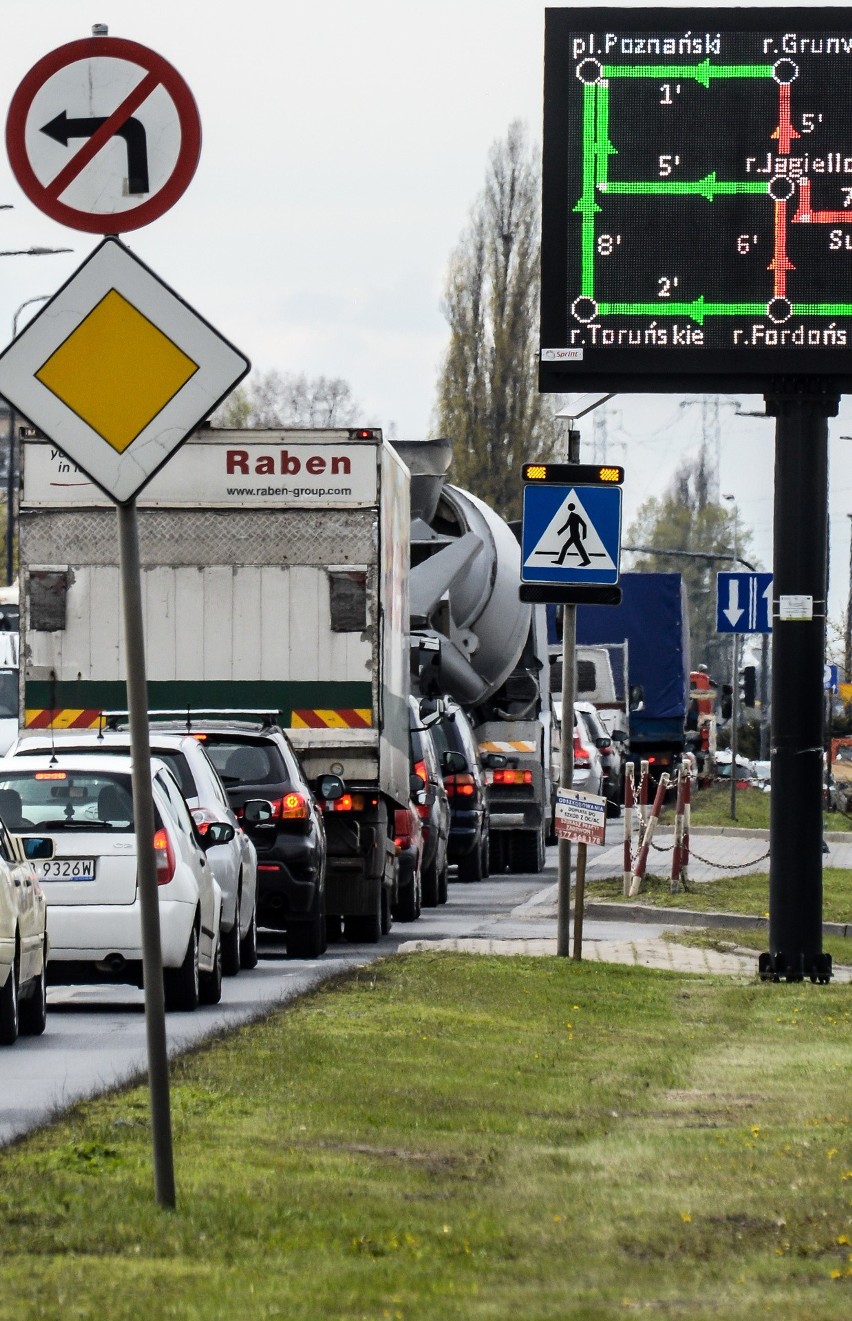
x,y
58,800
242,761
179,767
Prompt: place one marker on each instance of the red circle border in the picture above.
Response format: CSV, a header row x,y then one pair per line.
x,y
190,126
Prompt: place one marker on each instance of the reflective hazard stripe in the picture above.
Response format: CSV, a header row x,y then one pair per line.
x,y
68,717
523,745
347,718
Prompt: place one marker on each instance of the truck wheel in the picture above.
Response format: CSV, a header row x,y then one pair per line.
x,y
365,928
497,854
526,851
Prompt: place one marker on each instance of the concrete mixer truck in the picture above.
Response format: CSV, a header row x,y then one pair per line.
x,y
472,637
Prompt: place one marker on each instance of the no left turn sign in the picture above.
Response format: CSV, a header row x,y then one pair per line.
x,y
103,135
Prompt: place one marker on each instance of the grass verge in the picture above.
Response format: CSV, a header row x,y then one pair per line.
x,y
442,1136
747,894
725,939
712,807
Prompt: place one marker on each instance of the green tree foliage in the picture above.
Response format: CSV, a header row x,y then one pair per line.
x,y
488,400
685,519
289,399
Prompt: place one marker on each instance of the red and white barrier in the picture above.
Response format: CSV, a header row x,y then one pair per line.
x,y
677,851
642,856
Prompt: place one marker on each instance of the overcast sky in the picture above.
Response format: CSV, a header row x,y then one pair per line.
x,y
343,146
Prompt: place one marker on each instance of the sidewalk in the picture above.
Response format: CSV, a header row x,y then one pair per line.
x,y
712,850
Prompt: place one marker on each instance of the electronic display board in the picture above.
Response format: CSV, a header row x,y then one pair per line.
x,y
697,198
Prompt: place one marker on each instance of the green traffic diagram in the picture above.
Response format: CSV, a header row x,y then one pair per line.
x,y
785,185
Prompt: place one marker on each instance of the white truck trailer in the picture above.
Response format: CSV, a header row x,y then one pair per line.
x,y
275,578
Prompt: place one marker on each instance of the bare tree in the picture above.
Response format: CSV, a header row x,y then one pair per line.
x,y
276,399
488,400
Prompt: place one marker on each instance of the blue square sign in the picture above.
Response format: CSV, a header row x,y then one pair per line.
x,y
743,602
571,534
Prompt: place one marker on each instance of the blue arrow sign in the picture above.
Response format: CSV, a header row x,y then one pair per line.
x,y
571,534
744,602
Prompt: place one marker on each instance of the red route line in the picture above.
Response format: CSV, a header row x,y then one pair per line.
x,y
806,215
779,264
785,131
101,136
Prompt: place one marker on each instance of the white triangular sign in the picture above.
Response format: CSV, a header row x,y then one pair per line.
x,y
571,535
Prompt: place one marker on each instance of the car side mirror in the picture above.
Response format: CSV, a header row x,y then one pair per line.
x,y
416,784
330,787
619,736
257,812
495,761
217,832
602,743
453,763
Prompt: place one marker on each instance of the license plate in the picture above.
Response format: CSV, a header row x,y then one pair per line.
x,y
68,869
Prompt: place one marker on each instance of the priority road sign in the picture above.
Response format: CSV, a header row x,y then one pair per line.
x,y
103,135
571,534
116,370
744,602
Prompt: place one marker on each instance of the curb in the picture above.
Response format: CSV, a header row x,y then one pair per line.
x,y
605,911
752,832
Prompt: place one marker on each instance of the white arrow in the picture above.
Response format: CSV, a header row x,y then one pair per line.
x,y
768,598
733,612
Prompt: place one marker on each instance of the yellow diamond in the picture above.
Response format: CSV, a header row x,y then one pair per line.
x,y
116,371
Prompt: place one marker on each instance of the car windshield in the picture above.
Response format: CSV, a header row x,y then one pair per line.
x,y
66,800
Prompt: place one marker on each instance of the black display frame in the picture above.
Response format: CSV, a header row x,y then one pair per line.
x,y
686,361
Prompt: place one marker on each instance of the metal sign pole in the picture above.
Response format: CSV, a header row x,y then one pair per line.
x,y
566,745
143,811
798,659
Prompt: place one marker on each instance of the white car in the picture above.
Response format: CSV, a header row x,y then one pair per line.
x,y
85,805
23,936
234,863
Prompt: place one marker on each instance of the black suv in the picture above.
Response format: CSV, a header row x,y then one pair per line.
x,y
255,760
465,786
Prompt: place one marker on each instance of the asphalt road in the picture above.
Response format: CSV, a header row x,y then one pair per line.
x,y
95,1037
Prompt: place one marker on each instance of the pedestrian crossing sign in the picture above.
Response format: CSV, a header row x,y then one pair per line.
x,y
571,534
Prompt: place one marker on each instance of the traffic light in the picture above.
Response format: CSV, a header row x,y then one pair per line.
x,y
726,701
748,685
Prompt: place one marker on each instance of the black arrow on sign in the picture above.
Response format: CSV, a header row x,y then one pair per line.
x,y
61,129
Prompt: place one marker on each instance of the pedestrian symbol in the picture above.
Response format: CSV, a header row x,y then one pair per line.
x,y
571,534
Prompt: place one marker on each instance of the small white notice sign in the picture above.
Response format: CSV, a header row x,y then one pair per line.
x,y
795,607
580,816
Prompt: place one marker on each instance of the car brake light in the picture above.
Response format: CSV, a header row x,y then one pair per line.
x,y
581,757
460,786
292,806
419,768
164,857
